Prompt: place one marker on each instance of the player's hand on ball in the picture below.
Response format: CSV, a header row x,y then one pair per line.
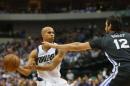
x,y
11,62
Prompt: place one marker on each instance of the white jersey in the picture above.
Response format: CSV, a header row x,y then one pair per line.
x,y
46,58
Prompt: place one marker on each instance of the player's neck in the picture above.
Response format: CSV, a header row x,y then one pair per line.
x,y
50,41
45,48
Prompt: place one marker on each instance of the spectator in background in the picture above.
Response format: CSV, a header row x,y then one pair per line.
x,y
70,76
34,6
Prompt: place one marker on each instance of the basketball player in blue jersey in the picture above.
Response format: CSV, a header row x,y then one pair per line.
x,y
47,62
115,44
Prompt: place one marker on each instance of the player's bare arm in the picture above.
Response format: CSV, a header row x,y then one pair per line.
x,y
48,67
31,60
76,46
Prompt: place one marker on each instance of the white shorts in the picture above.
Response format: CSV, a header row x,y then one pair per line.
x,y
43,83
56,82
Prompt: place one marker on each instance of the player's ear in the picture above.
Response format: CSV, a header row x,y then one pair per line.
x,y
109,27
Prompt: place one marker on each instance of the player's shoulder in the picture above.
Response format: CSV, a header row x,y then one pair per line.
x,y
106,38
39,46
34,51
121,34
37,49
126,33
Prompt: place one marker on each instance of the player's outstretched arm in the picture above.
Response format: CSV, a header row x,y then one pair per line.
x,y
48,67
76,46
31,59
55,61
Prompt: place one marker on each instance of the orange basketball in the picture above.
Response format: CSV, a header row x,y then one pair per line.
x,y
11,62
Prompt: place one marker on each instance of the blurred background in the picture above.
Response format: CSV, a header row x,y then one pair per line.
x,y
73,20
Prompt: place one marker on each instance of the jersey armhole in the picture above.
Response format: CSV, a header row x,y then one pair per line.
x,y
56,52
36,60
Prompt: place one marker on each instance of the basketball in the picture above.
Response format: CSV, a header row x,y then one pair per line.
x,y
11,62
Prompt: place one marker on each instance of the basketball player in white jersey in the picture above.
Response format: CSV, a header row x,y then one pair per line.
x,y
47,62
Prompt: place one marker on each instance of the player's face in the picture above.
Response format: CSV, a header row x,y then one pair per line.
x,y
49,35
107,27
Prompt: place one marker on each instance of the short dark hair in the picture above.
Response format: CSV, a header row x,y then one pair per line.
x,y
116,23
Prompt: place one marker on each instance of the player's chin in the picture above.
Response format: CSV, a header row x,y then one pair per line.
x,y
52,39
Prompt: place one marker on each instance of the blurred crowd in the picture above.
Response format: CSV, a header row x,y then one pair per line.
x,y
14,79
49,6
87,79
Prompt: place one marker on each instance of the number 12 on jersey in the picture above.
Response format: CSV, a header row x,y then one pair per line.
x,y
121,43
